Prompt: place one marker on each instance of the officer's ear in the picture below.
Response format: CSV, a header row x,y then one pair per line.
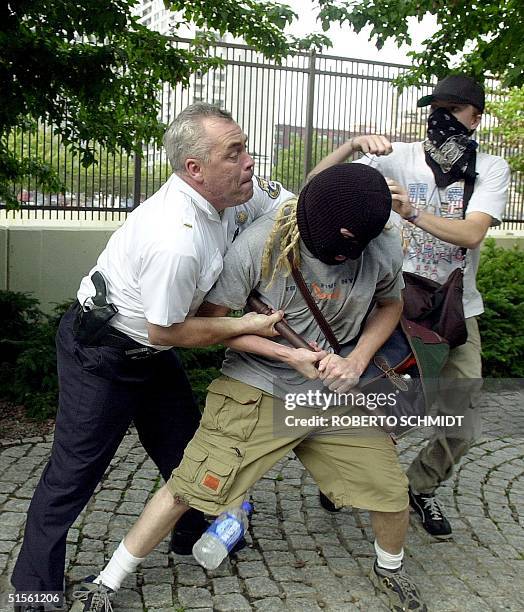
x,y
193,167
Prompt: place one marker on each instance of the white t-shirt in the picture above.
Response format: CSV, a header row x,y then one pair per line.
x,y
167,255
425,254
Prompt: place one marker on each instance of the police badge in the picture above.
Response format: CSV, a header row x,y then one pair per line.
x,y
241,217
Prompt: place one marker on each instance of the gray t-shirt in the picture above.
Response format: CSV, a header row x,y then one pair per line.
x,y
344,293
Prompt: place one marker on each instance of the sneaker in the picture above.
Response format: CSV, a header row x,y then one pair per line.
x,y
399,588
91,597
433,519
327,504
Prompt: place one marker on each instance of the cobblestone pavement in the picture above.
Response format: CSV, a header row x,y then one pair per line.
x,y
300,557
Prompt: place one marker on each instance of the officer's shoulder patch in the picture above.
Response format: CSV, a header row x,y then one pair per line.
x,y
270,187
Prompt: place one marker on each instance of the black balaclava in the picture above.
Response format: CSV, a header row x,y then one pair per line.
x,y
449,150
353,196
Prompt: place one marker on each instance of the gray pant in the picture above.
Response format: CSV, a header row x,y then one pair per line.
x,y
461,382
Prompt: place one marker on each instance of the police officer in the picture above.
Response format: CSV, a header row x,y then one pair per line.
x,y
116,362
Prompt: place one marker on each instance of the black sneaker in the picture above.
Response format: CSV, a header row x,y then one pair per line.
x,y
433,519
327,504
399,589
91,597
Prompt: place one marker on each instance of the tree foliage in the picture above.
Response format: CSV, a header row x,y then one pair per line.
x,y
472,36
113,174
91,69
289,163
509,111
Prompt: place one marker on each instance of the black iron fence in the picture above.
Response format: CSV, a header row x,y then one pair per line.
x,y
294,113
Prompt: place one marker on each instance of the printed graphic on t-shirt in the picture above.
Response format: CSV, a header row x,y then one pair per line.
x,y
323,291
426,254
321,294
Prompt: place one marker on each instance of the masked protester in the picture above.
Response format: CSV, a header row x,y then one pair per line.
x,y
359,266
439,235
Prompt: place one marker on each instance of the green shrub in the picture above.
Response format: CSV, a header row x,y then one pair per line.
x,y
501,282
27,354
202,366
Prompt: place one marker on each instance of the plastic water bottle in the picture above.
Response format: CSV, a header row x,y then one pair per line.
x,y
221,536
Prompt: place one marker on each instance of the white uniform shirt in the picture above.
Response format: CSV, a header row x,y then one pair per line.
x,y
425,254
167,255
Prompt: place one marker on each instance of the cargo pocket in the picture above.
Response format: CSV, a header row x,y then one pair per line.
x,y
216,479
191,463
232,408
207,473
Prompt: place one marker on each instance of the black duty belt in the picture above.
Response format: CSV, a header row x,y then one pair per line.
x,y
132,349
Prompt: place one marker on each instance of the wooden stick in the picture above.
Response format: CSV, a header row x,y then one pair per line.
x,y
296,341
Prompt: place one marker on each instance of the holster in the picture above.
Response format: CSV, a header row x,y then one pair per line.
x,y
90,325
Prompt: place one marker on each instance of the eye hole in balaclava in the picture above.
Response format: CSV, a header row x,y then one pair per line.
x,y
351,196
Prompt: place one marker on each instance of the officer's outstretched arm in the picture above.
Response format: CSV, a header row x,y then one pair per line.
x,y
205,331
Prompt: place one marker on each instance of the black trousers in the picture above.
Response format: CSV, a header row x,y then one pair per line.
x,y
101,392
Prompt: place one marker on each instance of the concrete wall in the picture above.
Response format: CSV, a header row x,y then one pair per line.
x,y
49,258
3,257
509,240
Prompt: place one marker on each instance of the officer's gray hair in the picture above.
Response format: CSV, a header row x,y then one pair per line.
x,y
186,137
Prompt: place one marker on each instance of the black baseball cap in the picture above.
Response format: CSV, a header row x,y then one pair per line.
x,y
456,88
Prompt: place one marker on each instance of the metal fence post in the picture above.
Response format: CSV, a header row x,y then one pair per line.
x,y
137,189
310,105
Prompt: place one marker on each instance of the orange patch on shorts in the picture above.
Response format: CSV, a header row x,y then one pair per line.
x,y
211,482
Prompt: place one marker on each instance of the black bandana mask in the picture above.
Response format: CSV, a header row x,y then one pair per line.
x,y
449,150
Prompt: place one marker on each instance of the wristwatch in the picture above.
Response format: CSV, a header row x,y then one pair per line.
x,y
412,218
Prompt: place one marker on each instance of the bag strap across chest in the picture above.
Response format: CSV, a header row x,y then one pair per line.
x,y
315,310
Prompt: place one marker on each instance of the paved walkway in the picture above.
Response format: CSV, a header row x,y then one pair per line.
x,y
301,557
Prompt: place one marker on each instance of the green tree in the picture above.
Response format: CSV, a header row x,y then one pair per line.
x,y
113,173
486,37
508,108
91,69
289,164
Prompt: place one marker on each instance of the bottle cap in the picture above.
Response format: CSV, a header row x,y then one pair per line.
x,y
247,507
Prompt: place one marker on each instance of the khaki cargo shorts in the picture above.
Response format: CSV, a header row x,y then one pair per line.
x,y
235,446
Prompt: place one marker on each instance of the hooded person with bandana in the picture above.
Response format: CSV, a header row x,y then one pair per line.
x,y
427,184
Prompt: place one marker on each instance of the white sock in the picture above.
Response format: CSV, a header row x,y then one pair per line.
x,y
387,560
121,564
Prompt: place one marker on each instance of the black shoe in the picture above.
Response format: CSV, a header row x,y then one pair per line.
x,y
433,519
327,504
187,531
